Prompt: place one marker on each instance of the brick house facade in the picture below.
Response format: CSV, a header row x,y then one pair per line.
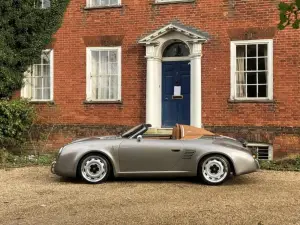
x,y
239,76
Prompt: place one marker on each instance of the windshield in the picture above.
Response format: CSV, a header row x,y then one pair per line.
x,y
137,130
133,130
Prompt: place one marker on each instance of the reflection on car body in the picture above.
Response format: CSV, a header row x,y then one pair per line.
x,y
189,151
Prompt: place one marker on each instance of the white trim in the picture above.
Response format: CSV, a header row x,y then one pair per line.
x,y
173,59
233,45
89,5
52,74
88,72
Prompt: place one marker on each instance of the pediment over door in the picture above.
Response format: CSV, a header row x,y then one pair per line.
x,y
175,26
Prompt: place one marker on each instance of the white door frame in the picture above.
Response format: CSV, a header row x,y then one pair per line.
x,y
154,50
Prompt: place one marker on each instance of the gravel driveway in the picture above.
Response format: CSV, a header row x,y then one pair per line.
x,y
34,196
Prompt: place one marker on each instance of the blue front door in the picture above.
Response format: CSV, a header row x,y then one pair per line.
x,y
175,109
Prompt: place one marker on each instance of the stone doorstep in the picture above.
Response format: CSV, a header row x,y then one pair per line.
x,y
166,131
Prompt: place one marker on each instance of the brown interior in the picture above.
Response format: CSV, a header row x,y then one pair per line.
x,y
184,132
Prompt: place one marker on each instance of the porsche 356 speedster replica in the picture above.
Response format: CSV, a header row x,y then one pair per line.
x,y
189,151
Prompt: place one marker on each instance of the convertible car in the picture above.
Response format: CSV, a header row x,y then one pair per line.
x,y
189,151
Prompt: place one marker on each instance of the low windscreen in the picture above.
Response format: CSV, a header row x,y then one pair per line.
x,y
133,130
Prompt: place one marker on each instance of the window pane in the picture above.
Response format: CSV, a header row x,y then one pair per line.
x,y
113,56
114,68
46,3
38,82
263,50
104,62
104,87
113,2
251,51
251,64
104,2
95,63
241,78
262,91
46,57
177,50
240,64
251,78
114,87
94,2
262,62
262,77
240,51
241,91
252,91
46,82
46,93
37,94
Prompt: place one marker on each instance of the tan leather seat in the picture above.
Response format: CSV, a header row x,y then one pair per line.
x,y
176,132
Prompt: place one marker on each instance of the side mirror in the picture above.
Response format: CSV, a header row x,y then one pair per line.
x,y
139,138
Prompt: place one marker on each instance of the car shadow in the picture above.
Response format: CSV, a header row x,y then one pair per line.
x,y
231,181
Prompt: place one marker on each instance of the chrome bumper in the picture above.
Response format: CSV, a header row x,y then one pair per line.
x,y
53,167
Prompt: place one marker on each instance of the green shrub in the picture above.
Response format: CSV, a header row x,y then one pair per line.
x,y
16,117
289,163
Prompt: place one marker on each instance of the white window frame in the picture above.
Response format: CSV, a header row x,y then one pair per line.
x,y
233,45
25,87
270,148
88,73
89,5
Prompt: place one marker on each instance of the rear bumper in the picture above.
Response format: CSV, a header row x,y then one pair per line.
x,y
246,164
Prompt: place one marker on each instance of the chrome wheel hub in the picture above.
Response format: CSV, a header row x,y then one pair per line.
x,y
214,170
94,168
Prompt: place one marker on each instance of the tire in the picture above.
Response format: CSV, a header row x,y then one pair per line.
x,y
214,169
94,168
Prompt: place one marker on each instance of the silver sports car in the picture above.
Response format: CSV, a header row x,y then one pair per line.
x,y
189,151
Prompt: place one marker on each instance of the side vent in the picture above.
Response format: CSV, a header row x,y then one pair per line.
x,y
188,154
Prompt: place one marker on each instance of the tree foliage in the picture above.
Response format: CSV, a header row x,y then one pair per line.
x,y
25,30
289,14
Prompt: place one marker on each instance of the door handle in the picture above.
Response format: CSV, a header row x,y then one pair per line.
x,y
175,150
166,98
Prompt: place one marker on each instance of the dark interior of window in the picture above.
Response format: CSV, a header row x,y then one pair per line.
x,y
177,49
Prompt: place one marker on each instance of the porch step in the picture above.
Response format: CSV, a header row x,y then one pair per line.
x,y
165,131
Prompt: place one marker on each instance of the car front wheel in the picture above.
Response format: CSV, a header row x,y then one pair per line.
x,y
214,169
94,168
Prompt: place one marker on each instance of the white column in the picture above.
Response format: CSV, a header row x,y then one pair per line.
x,y
196,91
153,90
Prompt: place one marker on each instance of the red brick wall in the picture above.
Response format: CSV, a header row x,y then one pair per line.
x,y
224,20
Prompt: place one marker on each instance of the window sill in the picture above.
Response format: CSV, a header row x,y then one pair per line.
x,y
172,2
50,102
250,101
103,7
102,102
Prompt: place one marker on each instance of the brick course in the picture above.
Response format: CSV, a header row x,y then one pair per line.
x,y
224,20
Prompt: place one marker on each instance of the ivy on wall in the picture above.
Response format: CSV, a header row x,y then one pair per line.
x,y
289,14
25,30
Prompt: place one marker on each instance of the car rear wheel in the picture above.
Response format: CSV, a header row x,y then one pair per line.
x,y
214,169
94,168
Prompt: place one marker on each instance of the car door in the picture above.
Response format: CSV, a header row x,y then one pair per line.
x,y
149,155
